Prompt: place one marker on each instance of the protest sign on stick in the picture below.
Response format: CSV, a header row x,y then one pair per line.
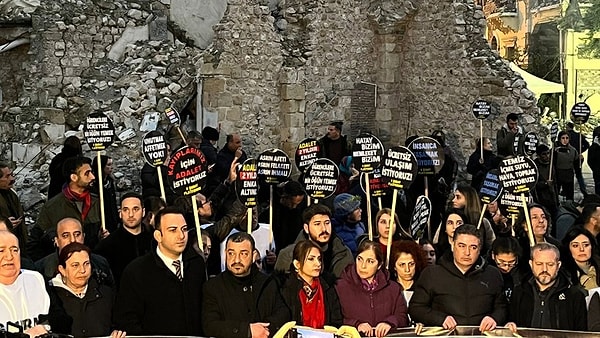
x,y
273,167
518,175
377,185
490,191
186,173
367,152
246,187
308,151
154,149
481,109
399,169
99,133
320,180
553,139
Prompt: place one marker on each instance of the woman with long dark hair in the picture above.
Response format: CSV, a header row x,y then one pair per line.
x,y
580,259
467,199
312,301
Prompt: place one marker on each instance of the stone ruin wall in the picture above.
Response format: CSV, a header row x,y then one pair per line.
x,y
274,74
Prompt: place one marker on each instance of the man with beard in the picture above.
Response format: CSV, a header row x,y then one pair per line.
x,y
317,228
75,201
10,206
130,240
161,292
242,301
548,300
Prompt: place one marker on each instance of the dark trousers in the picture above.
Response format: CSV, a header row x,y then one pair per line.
x,y
579,176
565,183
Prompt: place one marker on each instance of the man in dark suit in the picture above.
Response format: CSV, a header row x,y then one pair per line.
x,y
161,292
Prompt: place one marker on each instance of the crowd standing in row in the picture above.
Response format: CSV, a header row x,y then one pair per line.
x,y
145,273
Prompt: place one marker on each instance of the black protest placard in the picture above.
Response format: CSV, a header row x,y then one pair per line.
x,y
518,174
510,202
154,148
308,151
420,217
173,116
429,154
366,153
554,131
99,131
399,167
377,184
491,188
580,113
481,109
246,184
321,178
187,171
530,144
274,166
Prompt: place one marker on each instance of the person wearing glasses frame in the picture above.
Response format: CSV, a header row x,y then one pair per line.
x,y
505,256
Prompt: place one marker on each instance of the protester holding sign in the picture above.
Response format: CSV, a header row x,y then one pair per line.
x,y
477,166
111,211
545,190
564,158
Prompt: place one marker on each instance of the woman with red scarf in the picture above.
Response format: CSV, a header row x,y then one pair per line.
x,y
313,302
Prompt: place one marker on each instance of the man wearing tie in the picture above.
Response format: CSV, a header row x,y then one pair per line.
x,y
161,292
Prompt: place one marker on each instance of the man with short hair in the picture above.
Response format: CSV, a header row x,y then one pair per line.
x,y
75,201
510,138
24,302
69,230
462,289
317,228
130,240
241,301
590,216
10,206
210,136
569,212
575,140
161,292
335,145
547,300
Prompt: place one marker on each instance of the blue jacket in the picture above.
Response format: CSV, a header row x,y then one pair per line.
x,y
348,232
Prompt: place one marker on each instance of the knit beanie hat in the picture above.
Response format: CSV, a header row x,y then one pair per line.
x,y
344,204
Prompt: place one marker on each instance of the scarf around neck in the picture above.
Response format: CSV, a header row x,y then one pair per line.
x,y
85,198
313,303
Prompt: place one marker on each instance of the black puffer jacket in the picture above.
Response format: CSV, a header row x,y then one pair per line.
x,y
443,290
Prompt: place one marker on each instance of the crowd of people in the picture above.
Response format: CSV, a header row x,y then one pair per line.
x,y
149,271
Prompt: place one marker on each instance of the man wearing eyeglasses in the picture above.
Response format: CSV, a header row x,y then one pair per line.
x,y
547,300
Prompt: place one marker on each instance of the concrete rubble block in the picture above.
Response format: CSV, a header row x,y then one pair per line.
x,y
288,76
212,69
132,93
23,153
125,104
174,87
292,92
52,115
139,86
185,79
7,130
61,103
150,121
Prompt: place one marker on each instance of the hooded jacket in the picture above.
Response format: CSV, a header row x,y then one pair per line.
x,y
385,303
443,290
566,302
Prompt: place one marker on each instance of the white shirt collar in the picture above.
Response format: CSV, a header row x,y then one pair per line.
x,y
168,261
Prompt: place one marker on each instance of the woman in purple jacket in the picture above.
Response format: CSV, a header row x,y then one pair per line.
x,y
370,301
